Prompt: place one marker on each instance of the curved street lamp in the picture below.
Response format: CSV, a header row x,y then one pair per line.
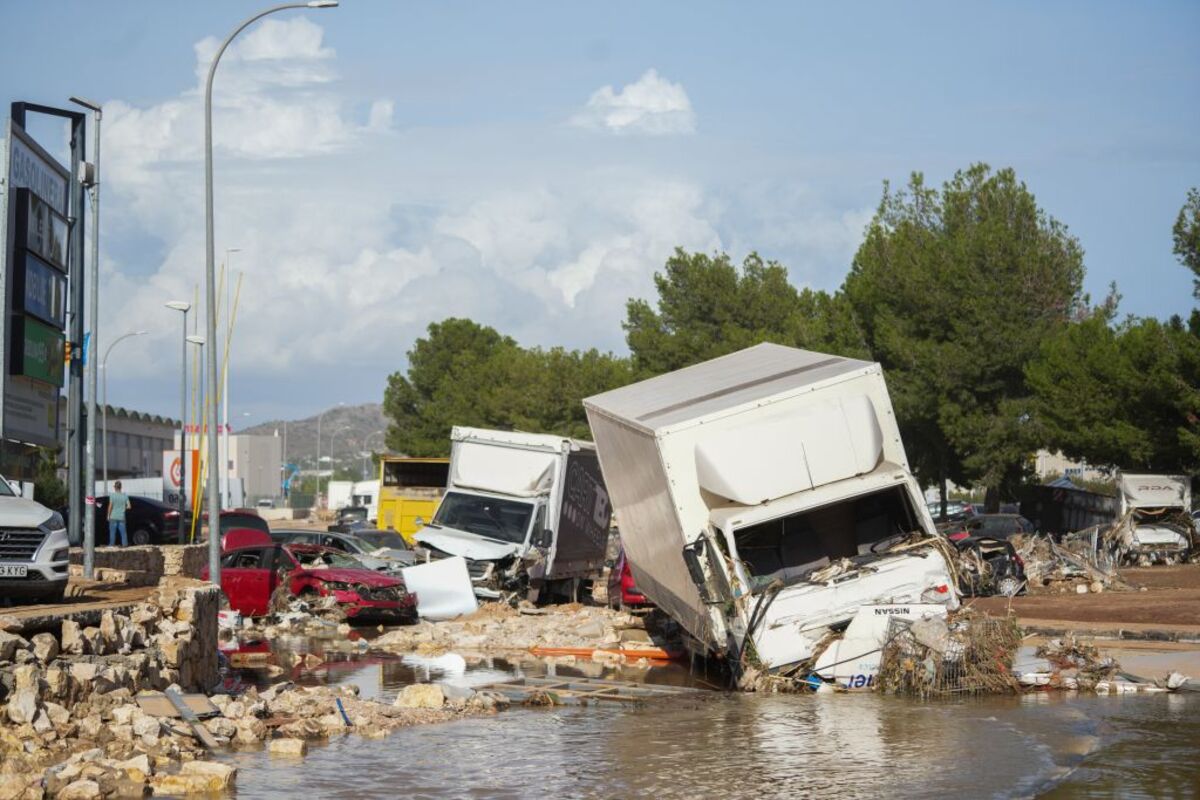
x,y
104,369
210,289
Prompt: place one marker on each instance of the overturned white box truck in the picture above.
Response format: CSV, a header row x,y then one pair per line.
x,y
764,497
1156,509
528,511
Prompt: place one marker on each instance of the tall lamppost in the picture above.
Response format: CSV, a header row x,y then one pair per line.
x,y
93,288
229,251
210,293
181,306
320,417
104,369
367,450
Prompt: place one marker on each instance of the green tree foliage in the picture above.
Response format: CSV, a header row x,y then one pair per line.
x,y
1126,395
707,307
1187,236
48,489
954,291
463,373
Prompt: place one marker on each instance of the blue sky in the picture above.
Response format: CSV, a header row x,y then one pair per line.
x,y
384,165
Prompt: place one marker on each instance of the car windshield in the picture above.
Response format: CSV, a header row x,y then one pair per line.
x,y
325,559
378,539
490,517
5,489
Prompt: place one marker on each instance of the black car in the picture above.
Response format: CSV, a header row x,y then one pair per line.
x,y
989,566
147,521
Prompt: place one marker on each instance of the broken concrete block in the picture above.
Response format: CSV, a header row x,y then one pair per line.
x,y
288,747
421,695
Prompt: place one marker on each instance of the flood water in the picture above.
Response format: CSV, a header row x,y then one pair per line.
x,y
714,744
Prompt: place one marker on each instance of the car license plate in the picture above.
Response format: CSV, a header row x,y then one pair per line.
x,y
13,572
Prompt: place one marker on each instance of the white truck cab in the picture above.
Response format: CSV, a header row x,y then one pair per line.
x,y
34,549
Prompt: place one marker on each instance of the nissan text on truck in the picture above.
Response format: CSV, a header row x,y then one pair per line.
x,y
1156,508
33,549
529,512
764,498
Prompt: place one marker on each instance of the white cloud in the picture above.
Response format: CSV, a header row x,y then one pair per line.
x,y
652,105
355,235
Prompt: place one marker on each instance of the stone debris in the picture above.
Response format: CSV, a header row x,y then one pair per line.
x,y
497,627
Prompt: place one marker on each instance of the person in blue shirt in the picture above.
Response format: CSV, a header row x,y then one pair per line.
x,y
118,504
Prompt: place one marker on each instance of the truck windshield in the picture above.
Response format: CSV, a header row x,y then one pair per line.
x,y
791,547
490,517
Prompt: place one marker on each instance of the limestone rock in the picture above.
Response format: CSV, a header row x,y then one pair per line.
x,y
45,647
72,639
23,706
288,747
81,790
10,643
27,676
421,695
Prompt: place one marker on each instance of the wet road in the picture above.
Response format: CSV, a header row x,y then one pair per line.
x,y
832,746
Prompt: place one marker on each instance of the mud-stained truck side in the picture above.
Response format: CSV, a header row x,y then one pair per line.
x,y
764,497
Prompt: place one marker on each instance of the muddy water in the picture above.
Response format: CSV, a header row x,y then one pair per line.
x,y
830,746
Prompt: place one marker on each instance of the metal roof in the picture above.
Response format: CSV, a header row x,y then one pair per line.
x,y
723,383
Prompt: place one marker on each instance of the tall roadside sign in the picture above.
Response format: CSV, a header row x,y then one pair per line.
x,y
36,237
41,285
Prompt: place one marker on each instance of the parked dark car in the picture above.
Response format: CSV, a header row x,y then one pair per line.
x,y
1003,571
997,526
147,521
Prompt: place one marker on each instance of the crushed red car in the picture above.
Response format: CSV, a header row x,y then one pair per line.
x,y
622,590
251,574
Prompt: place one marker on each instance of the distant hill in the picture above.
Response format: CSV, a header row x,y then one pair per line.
x,y
351,429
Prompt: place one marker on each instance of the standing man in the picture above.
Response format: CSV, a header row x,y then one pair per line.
x,y
118,502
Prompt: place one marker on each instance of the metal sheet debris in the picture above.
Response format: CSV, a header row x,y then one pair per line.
x,y
443,588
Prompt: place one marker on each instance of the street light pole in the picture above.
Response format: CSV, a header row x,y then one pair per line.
x,y
229,251
89,358
104,400
184,307
320,417
210,293
367,450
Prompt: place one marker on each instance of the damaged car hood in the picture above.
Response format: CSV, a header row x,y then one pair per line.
x,y
364,576
460,543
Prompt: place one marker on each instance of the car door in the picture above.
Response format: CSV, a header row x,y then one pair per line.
x,y
246,580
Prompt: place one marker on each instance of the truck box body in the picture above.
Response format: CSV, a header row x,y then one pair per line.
x,y
788,450
1159,506
515,497
1059,510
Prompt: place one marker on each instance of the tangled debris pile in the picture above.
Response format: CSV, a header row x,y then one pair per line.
x,y
498,627
968,653
1080,563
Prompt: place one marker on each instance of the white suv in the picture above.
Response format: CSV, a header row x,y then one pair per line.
x,y
33,549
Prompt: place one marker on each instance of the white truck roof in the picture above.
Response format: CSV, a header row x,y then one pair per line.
x,y
533,441
724,384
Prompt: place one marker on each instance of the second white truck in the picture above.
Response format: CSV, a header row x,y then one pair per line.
x,y
764,497
529,512
1158,508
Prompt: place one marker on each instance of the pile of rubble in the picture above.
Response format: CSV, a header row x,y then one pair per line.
x,y
498,627
75,723
1078,564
